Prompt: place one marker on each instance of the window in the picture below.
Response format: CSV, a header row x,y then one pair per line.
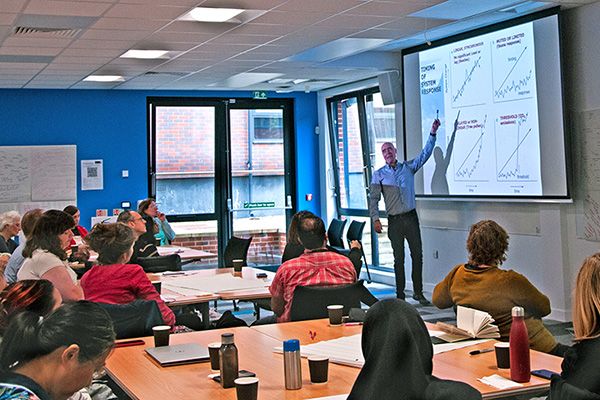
x,y
266,125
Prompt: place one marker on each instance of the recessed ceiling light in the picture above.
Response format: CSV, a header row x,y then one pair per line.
x,y
145,54
104,78
206,14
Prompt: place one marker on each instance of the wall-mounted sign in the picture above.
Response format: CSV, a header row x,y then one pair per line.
x,y
259,204
260,95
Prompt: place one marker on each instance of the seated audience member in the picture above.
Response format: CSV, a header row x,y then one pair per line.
x,y
398,358
10,226
157,221
55,356
293,247
79,232
46,257
482,285
580,376
16,259
316,266
113,281
36,295
144,244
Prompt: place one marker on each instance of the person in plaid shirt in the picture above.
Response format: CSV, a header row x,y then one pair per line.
x,y
317,266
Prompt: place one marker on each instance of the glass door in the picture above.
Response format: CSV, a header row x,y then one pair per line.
x,y
359,124
260,202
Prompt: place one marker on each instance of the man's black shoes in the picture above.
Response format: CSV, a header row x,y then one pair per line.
x,y
421,299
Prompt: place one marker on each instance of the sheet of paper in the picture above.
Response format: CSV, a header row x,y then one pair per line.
x,y
214,284
499,382
442,348
345,350
92,175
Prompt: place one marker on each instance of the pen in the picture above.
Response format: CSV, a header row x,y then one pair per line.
x,y
473,352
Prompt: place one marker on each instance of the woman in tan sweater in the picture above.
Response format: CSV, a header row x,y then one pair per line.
x,y
482,285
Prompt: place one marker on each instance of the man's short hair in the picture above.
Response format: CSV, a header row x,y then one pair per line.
x,y
311,231
125,217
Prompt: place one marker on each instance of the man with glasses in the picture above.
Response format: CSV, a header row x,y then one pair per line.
x,y
144,245
395,181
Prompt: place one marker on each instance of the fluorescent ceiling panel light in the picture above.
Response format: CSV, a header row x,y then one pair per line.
x,y
104,78
337,49
205,14
145,54
460,9
249,78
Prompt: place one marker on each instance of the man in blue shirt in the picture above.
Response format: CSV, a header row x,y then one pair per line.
x,y
395,181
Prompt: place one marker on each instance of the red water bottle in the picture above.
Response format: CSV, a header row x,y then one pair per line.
x,y
520,367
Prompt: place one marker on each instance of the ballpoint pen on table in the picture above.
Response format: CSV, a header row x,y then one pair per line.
x,y
473,352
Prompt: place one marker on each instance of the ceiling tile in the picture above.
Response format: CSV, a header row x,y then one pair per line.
x,y
264,29
103,44
320,6
146,11
20,41
113,34
231,38
244,4
7,19
69,8
291,18
128,24
32,51
13,6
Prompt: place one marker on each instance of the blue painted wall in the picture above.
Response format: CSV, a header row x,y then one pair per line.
x,y
111,125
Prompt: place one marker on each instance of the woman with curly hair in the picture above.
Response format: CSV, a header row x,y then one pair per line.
x,y
481,284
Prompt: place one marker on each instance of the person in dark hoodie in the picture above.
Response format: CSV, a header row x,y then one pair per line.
x,y
398,358
580,376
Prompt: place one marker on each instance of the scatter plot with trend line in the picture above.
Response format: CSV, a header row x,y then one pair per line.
x,y
470,156
469,74
514,68
516,145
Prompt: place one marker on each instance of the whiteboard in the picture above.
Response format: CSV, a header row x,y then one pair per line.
x,y
37,177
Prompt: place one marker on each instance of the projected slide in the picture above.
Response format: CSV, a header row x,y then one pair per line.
x,y
488,82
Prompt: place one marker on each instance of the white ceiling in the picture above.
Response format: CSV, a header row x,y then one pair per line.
x,y
328,42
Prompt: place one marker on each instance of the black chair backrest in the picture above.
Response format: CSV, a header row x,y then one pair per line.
x,y
134,319
355,231
335,232
172,262
236,249
310,302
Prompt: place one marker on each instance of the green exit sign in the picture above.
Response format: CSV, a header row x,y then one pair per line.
x,y
259,204
260,95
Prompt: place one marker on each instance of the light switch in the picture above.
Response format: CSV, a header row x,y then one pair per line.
x,y
125,173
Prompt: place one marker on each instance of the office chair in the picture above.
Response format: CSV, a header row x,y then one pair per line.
x,y
335,233
355,232
172,262
236,249
134,319
310,302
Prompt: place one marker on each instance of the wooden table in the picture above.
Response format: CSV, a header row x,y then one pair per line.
x,y
141,378
187,254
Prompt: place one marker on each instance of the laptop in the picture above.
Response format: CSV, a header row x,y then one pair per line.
x,y
187,353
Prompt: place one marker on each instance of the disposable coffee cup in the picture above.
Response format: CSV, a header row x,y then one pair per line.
x,y
161,335
502,355
246,388
237,265
213,351
335,312
319,368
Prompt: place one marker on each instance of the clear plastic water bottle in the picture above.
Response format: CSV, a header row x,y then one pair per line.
x,y
291,364
520,367
228,361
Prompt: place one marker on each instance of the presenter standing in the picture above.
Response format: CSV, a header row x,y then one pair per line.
x,y
395,181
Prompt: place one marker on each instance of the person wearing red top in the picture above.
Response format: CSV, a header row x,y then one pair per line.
x,y
113,281
317,266
78,230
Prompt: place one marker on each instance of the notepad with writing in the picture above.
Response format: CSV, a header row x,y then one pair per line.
x,y
470,324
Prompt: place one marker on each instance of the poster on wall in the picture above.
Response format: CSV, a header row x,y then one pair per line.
x,y
92,175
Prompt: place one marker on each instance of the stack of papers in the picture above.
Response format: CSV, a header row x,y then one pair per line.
x,y
193,284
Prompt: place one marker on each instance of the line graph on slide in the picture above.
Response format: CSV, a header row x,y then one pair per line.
x,y
515,83
469,163
515,144
469,75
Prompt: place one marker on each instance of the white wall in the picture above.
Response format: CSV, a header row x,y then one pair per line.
x,y
543,243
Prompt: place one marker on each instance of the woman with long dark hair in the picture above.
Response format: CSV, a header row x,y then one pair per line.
x,y
46,256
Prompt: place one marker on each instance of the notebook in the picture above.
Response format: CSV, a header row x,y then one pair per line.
x,y
186,353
